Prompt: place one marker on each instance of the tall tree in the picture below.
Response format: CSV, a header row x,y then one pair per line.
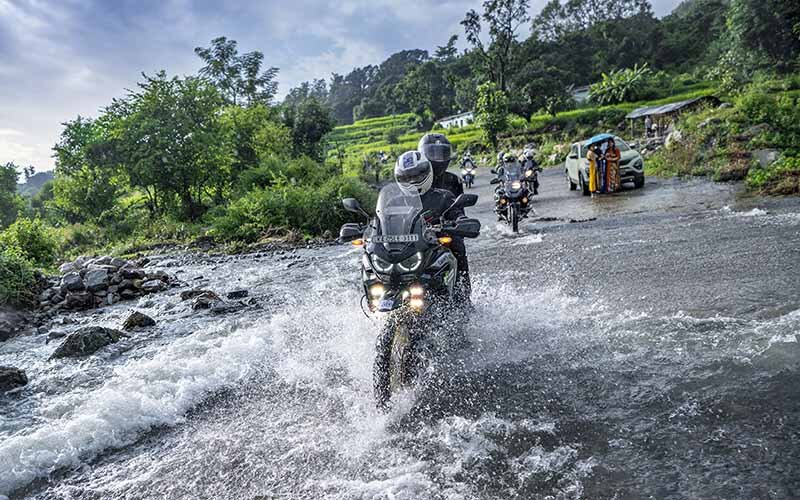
x,y
238,77
504,18
765,30
491,111
10,201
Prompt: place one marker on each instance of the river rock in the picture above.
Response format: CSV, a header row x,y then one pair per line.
x,y
132,273
11,323
238,294
220,307
69,267
55,334
158,275
71,282
128,293
11,378
196,292
96,280
138,320
86,341
117,262
153,286
102,260
766,157
205,300
78,300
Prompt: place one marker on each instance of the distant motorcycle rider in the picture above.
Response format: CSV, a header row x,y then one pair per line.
x,y
529,163
414,169
438,151
466,161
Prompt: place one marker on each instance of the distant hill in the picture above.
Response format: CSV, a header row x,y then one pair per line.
x,y
34,184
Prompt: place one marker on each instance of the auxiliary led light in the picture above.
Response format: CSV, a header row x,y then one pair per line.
x,y
416,290
417,303
377,291
503,201
445,240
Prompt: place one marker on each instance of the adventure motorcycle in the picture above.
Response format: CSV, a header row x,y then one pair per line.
x,y
408,272
512,198
532,175
468,174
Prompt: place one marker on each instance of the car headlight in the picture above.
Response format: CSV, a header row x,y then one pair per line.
x,y
516,185
381,265
412,263
638,164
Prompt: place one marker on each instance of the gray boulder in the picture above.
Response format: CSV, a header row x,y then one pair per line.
x,y
132,273
55,334
78,300
158,275
195,292
101,267
86,341
96,279
11,378
11,322
153,286
71,282
118,262
138,320
238,294
69,267
205,300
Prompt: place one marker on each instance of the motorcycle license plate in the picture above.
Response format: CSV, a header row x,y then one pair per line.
x,y
395,238
386,305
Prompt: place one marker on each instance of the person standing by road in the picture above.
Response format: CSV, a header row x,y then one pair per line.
x,y
593,155
648,124
612,156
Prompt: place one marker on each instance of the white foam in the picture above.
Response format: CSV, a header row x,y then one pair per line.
x,y
140,395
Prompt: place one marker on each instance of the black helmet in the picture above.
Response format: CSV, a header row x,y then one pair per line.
x,y
437,149
413,169
509,158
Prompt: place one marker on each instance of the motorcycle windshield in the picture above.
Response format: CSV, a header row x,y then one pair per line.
x,y
513,177
397,211
513,172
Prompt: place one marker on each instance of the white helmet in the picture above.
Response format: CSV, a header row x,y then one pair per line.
x,y
415,170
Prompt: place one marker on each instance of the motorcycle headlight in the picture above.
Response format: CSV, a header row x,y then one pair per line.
x,y
380,265
516,185
528,173
412,263
464,172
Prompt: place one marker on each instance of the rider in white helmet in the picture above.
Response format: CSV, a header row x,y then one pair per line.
x,y
414,169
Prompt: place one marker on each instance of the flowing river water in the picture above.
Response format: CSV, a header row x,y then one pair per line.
x,y
642,345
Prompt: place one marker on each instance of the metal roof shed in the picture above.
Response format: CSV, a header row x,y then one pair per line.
x,y
666,109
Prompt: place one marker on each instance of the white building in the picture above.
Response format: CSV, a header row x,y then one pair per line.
x,y
580,94
458,120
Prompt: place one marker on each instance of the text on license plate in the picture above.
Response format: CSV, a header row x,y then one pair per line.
x,y
395,238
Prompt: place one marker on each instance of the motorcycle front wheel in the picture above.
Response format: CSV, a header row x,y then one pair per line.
x,y
513,218
393,369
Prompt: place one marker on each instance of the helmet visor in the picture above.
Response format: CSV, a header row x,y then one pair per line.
x,y
436,152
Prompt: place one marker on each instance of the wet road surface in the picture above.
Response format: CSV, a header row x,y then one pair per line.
x,y
639,345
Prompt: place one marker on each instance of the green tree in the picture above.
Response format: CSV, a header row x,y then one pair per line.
x,y
238,77
309,121
765,30
10,202
33,240
87,180
491,111
175,144
503,18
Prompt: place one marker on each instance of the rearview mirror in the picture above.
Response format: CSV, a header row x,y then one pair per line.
x,y
467,228
634,145
352,205
463,200
350,232
493,171
494,181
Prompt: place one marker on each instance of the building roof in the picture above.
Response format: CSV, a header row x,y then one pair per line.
x,y
451,117
665,109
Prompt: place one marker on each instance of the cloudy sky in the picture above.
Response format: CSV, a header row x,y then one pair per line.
x,y
61,58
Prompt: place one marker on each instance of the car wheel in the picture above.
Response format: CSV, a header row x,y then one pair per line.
x,y
584,186
638,182
572,185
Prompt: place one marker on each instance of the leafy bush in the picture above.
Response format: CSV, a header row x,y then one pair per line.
x,y
16,277
32,238
620,85
783,177
284,207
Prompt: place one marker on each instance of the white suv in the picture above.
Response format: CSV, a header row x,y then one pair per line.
x,y
576,166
